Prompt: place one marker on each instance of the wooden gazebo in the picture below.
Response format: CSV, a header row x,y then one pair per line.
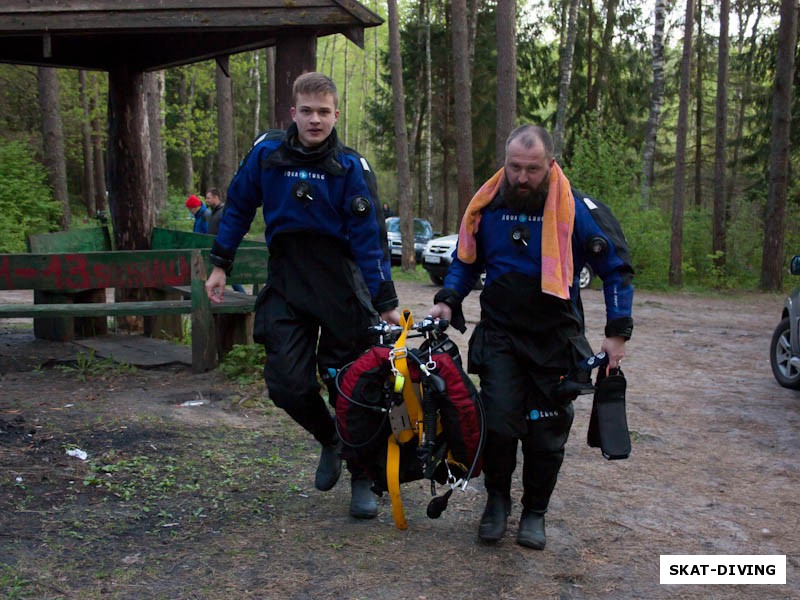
x,y
128,39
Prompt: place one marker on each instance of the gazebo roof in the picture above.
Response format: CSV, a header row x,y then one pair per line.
x,y
155,34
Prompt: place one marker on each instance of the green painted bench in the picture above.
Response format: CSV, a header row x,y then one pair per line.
x,y
93,239
180,272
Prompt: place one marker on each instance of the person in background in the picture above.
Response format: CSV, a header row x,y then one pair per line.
x,y
329,276
535,234
200,212
217,207
214,203
387,210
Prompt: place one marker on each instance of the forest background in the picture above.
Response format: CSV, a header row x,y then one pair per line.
x,y
665,111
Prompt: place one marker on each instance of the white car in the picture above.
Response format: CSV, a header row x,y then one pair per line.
x,y
438,254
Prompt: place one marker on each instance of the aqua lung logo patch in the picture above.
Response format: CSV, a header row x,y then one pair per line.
x,y
303,174
523,218
536,415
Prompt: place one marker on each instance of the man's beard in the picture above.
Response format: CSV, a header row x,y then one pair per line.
x,y
524,199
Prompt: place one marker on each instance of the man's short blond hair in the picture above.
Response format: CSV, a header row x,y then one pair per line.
x,y
315,84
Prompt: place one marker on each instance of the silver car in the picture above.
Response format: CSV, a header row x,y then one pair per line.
x,y
423,232
784,349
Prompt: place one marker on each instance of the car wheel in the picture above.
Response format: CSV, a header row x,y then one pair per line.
x,y
780,357
436,279
586,276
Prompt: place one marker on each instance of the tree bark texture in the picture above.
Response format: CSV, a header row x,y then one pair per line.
x,y
604,59
226,159
506,18
721,148
100,175
186,98
130,180
656,102
53,139
88,191
772,261
679,184
698,115
401,138
565,77
463,117
153,85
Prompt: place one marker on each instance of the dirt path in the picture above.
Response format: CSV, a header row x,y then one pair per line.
x,y
216,500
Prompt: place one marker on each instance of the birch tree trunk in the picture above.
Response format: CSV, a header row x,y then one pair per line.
x,y
656,102
256,78
679,185
565,76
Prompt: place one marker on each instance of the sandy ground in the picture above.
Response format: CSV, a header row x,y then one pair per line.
x,y
714,470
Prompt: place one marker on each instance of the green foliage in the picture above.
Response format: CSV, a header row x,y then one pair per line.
x,y
26,202
244,364
418,274
87,365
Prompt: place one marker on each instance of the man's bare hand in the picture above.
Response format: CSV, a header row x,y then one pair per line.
x,y
615,348
441,310
391,316
215,285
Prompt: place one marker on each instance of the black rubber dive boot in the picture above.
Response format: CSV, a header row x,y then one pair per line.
x,y
495,517
531,530
329,468
363,504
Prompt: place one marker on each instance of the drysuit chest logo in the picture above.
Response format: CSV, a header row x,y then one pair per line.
x,y
303,174
536,415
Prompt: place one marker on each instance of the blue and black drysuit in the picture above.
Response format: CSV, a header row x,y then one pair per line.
x,y
329,274
526,339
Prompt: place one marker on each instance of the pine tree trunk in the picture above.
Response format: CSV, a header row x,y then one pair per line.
x,y
720,151
506,17
698,121
773,250
86,146
100,181
679,186
226,160
153,94
463,107
53,139
186,99
401,138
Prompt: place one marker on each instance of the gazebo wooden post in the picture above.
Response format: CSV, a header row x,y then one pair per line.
x,y
294,55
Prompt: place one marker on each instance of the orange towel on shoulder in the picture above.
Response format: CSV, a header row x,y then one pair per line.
x,y
557,225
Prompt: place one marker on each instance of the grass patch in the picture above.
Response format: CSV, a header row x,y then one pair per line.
x,y
417,274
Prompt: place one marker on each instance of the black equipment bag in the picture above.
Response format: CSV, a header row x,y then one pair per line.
x,y
608,424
